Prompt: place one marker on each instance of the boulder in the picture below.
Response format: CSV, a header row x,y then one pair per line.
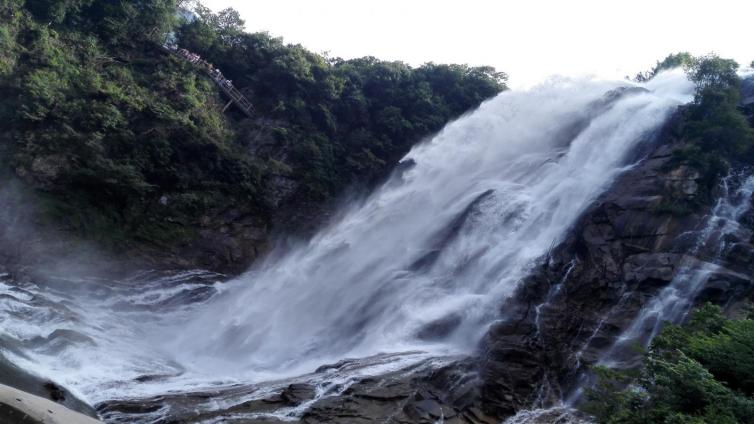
x,y
17,407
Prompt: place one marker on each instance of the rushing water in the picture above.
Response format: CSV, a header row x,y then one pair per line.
x,y
420,266
722,229
674,302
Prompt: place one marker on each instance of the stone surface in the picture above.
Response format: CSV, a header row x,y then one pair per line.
x,y
17,407
620,254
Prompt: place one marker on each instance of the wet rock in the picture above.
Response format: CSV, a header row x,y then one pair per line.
x,y
421,394
18,407
296,394
59,340
57,394
19,379
650,266
624,251
440,328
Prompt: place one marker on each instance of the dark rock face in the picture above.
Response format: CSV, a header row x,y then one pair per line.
x,y
421,393
423,396
620,254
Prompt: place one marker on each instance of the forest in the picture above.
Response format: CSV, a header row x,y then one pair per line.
x,y
103,123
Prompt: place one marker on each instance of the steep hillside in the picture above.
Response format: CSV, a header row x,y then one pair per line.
x,y
128,146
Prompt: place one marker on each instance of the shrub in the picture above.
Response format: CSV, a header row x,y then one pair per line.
x,y
699,373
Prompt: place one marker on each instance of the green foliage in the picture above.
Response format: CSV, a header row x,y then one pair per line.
x,y
56,11
714,122
724,346
11,20
105,123
677,60
114,21
700,373
672,61
346,121
713,72
110,136
715,131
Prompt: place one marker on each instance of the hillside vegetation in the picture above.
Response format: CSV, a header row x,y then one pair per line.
x,y
703,371
700,373
716,132
126,144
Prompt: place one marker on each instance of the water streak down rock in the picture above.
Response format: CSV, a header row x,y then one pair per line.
x,y
621,256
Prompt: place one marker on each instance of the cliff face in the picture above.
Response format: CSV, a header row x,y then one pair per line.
x,y
129,148
620,256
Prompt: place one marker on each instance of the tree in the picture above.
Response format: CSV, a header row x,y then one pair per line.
x,y
114,21
672,61
716,125
713,71
56,11
117,21
677,60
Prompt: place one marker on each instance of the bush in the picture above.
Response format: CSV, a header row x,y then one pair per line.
x,y
103,121
700,373
715,131
347,121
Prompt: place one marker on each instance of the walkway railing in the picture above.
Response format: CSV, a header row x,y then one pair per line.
x,y
236,97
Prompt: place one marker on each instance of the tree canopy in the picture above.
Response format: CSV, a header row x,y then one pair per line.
x,y
716,132
104,123
342,118
113,21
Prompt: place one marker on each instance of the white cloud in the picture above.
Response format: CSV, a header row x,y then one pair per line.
x,y
529,39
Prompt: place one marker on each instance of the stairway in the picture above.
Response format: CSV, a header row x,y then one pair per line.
x,y
225,85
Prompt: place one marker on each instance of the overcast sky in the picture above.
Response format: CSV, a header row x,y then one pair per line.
x,y
528,39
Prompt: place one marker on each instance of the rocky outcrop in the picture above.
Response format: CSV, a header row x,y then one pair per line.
x,y
40,388
622,252
625,249
422,393
17,407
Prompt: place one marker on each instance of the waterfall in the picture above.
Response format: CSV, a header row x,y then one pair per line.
x,y
420,266
423,263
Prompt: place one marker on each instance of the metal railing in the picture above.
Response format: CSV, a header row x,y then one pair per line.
x,y
236,97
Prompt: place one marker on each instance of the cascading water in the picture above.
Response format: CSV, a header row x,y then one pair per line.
x,y
674,302
420,266
722,229
426,259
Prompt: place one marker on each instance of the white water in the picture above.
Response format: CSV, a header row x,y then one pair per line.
x,y
675,301
356,290
554,415
440,246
